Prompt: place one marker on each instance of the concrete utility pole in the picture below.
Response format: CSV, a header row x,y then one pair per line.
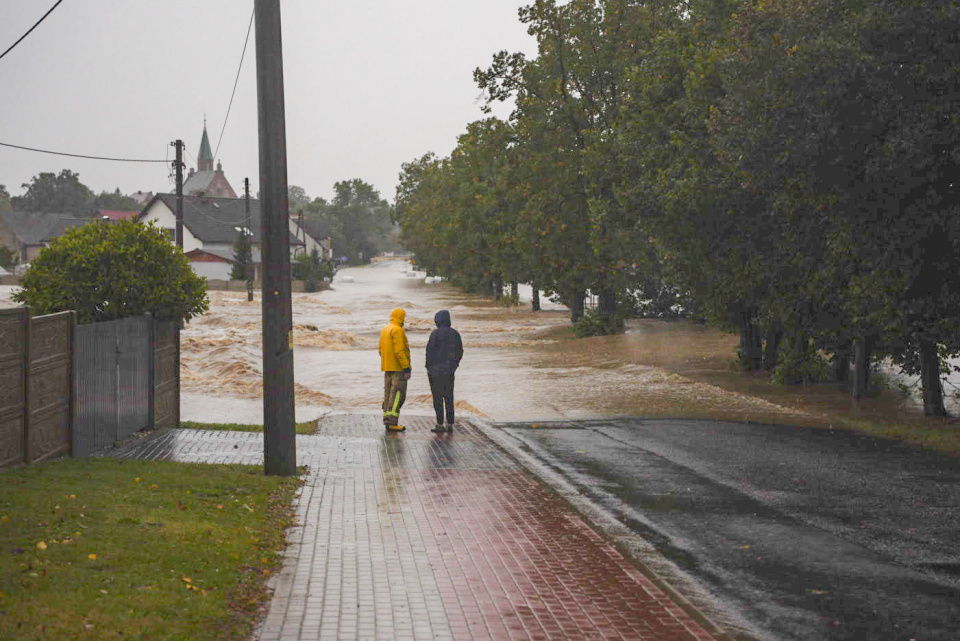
x,y
251,268
279,434
178,172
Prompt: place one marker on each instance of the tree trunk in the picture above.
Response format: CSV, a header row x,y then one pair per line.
x,y
930,379
771,348
862,349
841,364
514,291
576,306
535,303
606,303
497,288
792,374
751,343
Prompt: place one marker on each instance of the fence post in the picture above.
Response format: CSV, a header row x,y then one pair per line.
x,y
152,374
73,380
27,321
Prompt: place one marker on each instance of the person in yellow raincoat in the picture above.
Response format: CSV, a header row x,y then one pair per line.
x,y
395,364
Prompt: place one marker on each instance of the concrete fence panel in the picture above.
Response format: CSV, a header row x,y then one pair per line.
x,y
49,394
14,329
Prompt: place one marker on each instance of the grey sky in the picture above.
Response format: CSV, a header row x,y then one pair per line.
x,y
369,85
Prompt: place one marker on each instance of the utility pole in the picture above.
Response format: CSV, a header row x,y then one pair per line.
x,y
178,170
251,268
279,435
178,235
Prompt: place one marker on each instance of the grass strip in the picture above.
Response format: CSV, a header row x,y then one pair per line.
x,y
307,427
113,549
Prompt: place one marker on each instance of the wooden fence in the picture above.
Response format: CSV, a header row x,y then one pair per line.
x,y
75,389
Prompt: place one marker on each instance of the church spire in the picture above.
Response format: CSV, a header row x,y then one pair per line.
x,y
205,157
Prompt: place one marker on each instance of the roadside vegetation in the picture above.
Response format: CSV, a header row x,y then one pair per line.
x,y
112,549
783,169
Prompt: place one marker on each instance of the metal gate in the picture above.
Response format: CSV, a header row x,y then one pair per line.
x,y
113,379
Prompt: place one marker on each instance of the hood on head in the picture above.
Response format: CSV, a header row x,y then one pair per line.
x,y
397,316
442,318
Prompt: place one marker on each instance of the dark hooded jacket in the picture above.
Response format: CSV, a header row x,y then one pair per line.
x,y
444,349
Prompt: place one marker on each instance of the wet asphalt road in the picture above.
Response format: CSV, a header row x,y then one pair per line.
x,y
800,533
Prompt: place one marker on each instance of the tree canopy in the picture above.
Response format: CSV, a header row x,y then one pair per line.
x,y
791,166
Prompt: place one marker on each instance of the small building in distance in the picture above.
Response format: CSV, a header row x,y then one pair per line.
x,y
27,233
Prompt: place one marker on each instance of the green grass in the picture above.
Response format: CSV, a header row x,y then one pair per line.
x,y
112,549
307,427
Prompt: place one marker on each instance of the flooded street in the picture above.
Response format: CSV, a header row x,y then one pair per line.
x,y
518,365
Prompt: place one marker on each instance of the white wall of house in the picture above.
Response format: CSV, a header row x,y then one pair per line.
x,y
212,270
166,219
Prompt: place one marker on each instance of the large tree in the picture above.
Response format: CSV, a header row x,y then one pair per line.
x,y
4,198
49,192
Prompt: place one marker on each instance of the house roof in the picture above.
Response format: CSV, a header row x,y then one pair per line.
x,y
117,215
216,220
227,255
198,181
37,228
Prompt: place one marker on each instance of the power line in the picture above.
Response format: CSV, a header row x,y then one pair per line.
x,y
10,48
235,82
61,153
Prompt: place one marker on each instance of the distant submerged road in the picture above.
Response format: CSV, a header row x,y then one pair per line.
x,y
800,533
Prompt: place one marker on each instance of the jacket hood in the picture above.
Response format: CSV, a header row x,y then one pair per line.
x,y
442,318
397,316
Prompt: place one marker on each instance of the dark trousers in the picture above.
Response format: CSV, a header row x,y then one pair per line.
x,y
441,386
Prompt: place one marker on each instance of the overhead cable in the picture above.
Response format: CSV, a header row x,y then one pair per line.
x,y
10,48
235,82
61,153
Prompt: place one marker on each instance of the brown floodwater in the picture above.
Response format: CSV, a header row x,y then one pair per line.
x,y
518,365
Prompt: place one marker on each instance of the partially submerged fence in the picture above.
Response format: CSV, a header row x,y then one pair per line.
x,y
76,389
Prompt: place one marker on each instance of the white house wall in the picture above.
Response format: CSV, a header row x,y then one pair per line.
x,y
166,219
212,270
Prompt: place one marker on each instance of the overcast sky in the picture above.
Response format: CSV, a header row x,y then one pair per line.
x,y
370,84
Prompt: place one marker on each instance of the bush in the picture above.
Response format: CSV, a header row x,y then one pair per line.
x,y
801,366
106,271
592,324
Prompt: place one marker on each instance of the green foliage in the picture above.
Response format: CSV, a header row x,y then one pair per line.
x,y
106,271
311,269
801,367
8,258
4,198
358,221
243,266
49,192
595,324
115,201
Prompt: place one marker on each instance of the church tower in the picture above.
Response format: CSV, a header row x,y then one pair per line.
x,y
207,180
205,156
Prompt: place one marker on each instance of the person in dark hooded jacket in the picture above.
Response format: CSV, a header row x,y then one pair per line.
x,y
444,351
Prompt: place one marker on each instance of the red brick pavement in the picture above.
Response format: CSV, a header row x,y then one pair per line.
x,y
423,536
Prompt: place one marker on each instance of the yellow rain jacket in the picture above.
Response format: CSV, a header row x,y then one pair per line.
x,y
394,349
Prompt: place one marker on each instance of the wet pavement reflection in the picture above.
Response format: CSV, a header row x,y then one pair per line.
x,y
424,536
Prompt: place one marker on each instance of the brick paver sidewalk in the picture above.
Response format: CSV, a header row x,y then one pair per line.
x,y
425,536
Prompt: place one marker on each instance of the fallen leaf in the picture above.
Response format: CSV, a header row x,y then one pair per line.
x,y
92,557
154,486
103,592
41,545
136,480
4,518
219,507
